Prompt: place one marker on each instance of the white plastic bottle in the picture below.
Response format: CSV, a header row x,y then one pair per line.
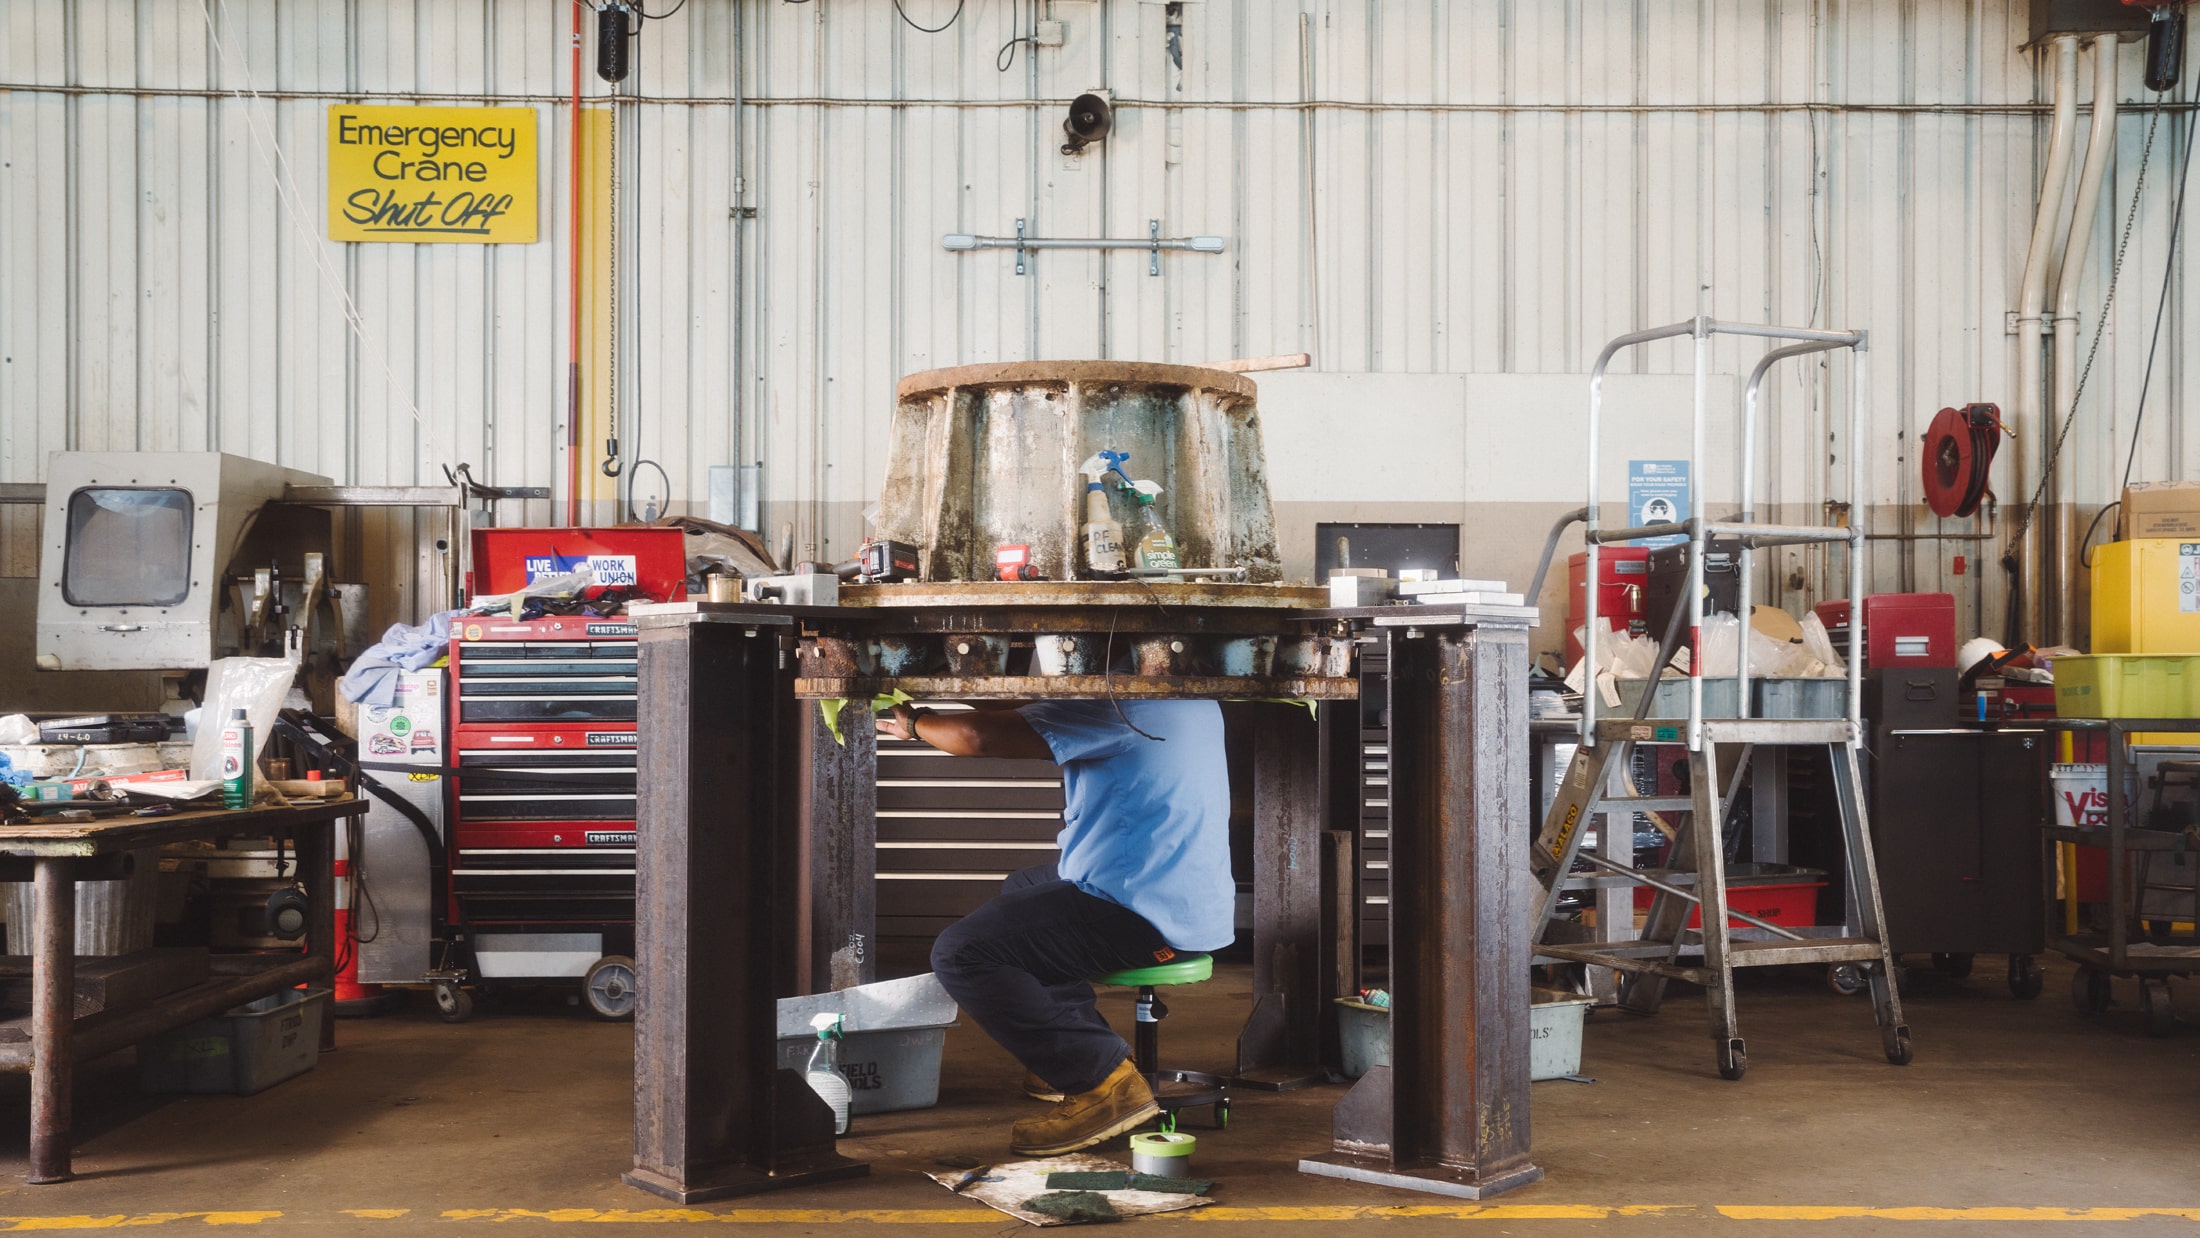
x,y
823,1074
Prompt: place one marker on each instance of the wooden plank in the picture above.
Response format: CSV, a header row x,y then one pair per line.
x,y
111,983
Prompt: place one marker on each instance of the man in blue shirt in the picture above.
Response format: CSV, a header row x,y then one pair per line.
x,y
1144,875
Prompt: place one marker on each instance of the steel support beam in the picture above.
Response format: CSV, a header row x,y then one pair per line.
x,y
1280,1048
716,926
1450,1113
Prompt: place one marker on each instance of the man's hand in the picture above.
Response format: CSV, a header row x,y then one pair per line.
x,y
970,733
901,721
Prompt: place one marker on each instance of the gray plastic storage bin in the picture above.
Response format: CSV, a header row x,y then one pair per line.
x,y
1671,699
243,1050
1800,698
1554,1034
890,1051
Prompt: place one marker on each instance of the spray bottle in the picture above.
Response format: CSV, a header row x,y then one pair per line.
x,y
823,1073
236,761
1155,548
1103,534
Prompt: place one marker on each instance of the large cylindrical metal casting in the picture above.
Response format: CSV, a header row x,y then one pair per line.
x,y
983,456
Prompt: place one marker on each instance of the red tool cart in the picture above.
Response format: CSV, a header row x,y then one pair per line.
x,y
542,750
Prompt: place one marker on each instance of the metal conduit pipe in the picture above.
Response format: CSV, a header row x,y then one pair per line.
x,y
2033,296
2100,153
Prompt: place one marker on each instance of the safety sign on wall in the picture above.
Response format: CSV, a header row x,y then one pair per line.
x,y
2188,577
1657,493
413,174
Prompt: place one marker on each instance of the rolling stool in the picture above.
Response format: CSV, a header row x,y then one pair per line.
x,y
1202,1089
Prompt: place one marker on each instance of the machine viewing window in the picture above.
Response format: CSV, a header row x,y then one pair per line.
x,y
127,547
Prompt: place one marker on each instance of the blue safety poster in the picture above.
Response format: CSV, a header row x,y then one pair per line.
x,y
1657,493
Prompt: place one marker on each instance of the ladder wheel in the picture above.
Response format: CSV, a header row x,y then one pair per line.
x,y
2025,980
455,1004
2089,990
1953,966
1898,1047
1732,1060
1847,979
2155,1005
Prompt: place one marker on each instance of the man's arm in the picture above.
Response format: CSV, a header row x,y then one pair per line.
x,y
976,733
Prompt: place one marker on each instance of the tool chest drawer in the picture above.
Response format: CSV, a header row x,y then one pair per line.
x,y
544,681
540,774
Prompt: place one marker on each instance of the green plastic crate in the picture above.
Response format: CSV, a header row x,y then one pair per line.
x,y
2128,685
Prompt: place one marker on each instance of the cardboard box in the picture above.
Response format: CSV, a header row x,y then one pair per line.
x,y
2160,509
410,730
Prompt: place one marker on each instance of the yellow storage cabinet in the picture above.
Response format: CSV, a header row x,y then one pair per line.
x,y
2146,596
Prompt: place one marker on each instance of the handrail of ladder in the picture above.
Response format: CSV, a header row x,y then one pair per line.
x,y
1699,530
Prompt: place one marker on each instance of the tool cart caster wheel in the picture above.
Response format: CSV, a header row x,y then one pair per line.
x,y
1847,979
1898,1047
1222,1114
1732,1060
2025,980
609,988
2089,990
1953,966
2154,1004
455,1004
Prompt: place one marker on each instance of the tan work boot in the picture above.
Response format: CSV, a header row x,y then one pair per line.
x,y
1122,1101
1039,1089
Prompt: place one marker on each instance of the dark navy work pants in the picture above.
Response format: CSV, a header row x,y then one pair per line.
x,y
1022,966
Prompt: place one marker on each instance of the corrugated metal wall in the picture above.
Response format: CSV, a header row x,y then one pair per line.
x,y
1407,186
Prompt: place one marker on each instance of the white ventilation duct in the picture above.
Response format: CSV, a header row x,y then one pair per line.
x,y
2030,424
2100,153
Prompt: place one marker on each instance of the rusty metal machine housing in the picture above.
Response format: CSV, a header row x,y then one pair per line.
x,y
983,456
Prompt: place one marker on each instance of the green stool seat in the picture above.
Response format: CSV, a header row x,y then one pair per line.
x,y
1184,969
1172,1089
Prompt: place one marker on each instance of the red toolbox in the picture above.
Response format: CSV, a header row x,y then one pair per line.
x,y
650,561
1791,904
1900,629
1622,573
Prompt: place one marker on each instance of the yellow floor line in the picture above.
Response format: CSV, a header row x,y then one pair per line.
x,y
1321,1214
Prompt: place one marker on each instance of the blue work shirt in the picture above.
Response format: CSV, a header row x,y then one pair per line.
x,y
1146,824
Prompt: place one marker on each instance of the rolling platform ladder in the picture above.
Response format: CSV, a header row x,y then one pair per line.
x,y
1596,785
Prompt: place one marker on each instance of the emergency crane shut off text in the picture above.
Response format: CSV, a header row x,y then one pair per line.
x,y
431,174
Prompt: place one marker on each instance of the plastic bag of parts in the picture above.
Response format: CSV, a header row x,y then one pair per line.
x,y
255,685
1821,647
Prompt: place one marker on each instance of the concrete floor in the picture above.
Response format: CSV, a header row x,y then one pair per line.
x,y
2012,1113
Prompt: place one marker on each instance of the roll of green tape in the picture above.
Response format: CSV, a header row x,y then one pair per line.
x,y
1164,1154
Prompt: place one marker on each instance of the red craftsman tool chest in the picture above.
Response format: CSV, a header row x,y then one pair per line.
x,y
542,822
1900,629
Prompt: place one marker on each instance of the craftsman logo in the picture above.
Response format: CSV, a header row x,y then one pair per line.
x,y
1163,955
610,838
613,629
611,739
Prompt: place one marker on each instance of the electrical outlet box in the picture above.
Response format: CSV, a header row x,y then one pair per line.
x,y
1050,33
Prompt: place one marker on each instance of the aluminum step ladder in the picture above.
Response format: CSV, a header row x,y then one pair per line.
x,y
1666,948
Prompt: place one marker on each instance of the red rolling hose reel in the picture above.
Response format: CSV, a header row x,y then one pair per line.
x,y
1958,456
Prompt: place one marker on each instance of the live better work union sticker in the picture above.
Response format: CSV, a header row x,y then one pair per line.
x,y
431,174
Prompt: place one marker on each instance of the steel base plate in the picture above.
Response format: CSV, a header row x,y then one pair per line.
x,y
1435,1180
743,1180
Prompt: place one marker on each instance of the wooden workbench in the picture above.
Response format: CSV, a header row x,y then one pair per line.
x,y
54,856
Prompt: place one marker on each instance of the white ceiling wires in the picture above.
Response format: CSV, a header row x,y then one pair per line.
x,y
277,164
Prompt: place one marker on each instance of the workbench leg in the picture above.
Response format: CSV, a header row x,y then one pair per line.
x,y
1450,1113
840,809
718,819
316,845
53,1010
1280,1046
